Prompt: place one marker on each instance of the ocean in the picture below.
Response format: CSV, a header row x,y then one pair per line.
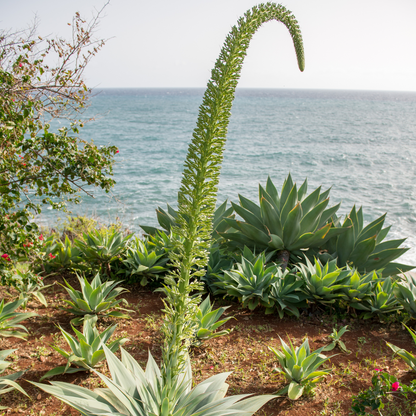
x,y
361,144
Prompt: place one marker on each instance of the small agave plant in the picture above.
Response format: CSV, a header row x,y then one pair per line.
x,y
86,351
407,356
250,282
144,261
94,299
300,367
289,222
381,301
8,383
134,392
208,322
9,319
324,283
405,292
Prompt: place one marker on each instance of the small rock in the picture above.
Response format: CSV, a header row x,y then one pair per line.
x,y
42,358
39,397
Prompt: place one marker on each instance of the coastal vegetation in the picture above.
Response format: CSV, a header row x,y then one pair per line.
x,y
278,268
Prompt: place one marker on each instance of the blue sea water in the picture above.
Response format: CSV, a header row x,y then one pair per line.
x,y
360,143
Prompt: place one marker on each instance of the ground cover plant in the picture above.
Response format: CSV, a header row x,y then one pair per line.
x,y
303,280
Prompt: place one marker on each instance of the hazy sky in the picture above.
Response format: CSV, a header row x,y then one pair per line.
x,y
349,44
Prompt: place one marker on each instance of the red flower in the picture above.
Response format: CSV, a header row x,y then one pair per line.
x,y
6,257
41,237
20,64
377,369
118,151
51,256
395,386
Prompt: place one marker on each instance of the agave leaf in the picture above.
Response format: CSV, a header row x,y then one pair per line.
x,y
291,227
295,390
250,206
272,191
362,250
311,219
271,218
61,370
372,229
248,216
287,188
289,204
345,243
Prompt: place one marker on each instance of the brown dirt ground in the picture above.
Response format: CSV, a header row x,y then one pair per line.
x,y
244,352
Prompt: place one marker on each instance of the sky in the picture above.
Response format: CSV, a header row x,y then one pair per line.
x,y
349,44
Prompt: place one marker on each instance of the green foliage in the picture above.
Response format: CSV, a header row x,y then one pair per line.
x,y
101,247
86,351
405,291
336,340
208,322
38,166
94,299
364,247
197,194
383,385
323,284
9,319
300,367
144,261
134,392
8,383
291,221
407,356
250,282
381,300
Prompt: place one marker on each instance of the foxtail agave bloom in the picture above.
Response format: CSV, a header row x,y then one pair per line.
x,y
134,392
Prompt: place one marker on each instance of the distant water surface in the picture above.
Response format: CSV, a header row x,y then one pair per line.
x,y
360,143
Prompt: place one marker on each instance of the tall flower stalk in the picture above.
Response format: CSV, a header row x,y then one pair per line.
x,y
198,191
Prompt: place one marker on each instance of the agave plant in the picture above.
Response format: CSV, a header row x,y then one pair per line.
x,y
249,283
134,392
9,319
359,287
405,291
300,367
8,383
364,247
144,262
288,222
287,294
168,219
101,247
336,340
86,351
381,300
63,255
407,356
323,284
94,299
208,322
217,263
28,285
